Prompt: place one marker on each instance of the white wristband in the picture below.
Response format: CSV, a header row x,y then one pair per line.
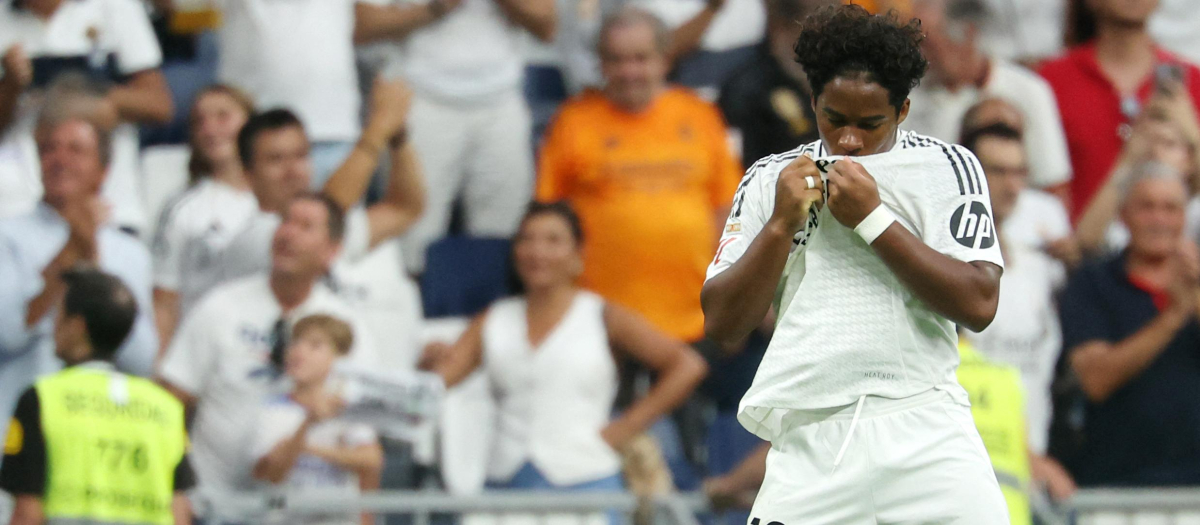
x,y
875,223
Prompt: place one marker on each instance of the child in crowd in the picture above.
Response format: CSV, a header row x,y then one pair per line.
x,y
301,445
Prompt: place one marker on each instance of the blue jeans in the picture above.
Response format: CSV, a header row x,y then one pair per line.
x,y
529,478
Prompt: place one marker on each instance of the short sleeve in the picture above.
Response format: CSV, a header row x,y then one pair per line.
x,y
1081,313
137,47
192,356
555,163
24,468
955,210
167,250
356,243
750,209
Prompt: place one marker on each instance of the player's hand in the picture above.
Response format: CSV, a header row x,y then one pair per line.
x,y
18,69
799,188
390,103
853,193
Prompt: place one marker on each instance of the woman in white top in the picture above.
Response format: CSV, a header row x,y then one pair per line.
x,y
551,355
197,224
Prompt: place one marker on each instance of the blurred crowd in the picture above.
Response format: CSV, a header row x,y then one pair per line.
x,y
288,184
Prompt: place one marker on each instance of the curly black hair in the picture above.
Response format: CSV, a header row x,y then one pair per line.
x,y
842,39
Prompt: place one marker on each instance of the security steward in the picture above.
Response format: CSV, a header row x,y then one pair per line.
x,y
90,445
998,407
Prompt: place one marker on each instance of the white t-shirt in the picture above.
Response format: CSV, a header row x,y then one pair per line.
x,y
1020,29
280,418
296,54
115,39
1026,333
195,227
221,356
938,112
847,326
739,23
474,54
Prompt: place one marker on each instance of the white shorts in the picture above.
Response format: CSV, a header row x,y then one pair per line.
x,y
906,461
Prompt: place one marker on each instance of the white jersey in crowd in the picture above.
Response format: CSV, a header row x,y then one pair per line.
x,y
221,356
938,112
371,280
297,54
1025,332
553,400
281,416
473,54
193,231
115,39
847,327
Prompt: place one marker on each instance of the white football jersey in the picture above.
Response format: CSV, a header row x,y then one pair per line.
x,y
847,327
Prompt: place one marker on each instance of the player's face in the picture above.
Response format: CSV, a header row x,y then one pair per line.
x,y
1154,214
281,169
1125,12
216,120
1004,165
310,357
546,253
302,246
634,67
855,118
71,163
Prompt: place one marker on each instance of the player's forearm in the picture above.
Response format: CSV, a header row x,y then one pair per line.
x,y
373,23
965,293
349,183
1103,369
736,301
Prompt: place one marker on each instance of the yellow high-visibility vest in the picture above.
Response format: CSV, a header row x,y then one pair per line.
x,y
998,406
113,443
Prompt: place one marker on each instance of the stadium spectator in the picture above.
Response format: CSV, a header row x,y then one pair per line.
x,y
231,346
107,46
1025,31
767,102
298,55
650,172
273,149
961,74
300,445
1038,220
470,123
710,39
198,223
1165,139
1130,332
552,353
1102,85
69,227
90,430
1025,333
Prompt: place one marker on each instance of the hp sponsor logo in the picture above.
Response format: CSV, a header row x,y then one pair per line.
x,y
971,225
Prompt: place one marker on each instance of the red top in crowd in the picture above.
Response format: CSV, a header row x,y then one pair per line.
x,y
1093,117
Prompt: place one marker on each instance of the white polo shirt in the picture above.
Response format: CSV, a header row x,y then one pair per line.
x,y
295,54
221,356
474,54
115,39
937,112
194,229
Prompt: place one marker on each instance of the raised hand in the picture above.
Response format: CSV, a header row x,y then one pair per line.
x,y
853,193
390,103
84,219
799,188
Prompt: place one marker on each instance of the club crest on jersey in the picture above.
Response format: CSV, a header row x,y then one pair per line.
x,y
971,225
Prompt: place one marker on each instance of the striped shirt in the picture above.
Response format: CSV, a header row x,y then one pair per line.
x,y
847,326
